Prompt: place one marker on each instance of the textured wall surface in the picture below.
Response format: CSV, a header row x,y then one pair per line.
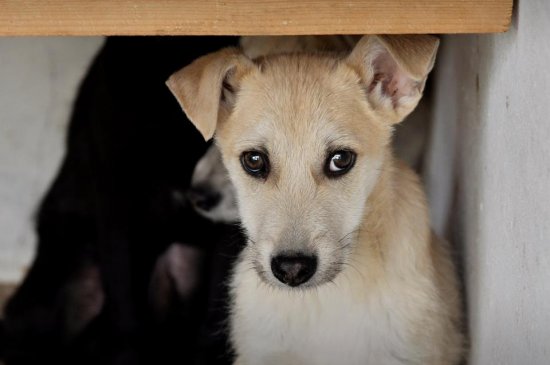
x,y
38,79
488,180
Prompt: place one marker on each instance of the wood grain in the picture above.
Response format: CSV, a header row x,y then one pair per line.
x,y
249,17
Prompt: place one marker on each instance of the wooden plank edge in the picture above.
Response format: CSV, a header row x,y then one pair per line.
x,y
81,18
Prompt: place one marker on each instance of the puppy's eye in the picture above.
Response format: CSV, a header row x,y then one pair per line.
x,y
255,163
339,162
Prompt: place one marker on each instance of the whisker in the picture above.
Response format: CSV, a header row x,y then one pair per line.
x,y
348,234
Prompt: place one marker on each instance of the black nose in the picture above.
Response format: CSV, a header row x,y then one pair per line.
x,y
203,197
295,269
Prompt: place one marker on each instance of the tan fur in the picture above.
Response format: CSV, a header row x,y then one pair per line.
x,y
385,290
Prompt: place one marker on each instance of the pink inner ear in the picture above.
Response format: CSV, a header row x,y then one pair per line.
x,y
395,82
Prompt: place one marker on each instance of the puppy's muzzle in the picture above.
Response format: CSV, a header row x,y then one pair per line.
x,y
293,269
203,198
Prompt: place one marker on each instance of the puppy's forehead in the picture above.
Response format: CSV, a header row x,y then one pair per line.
x,y
301,97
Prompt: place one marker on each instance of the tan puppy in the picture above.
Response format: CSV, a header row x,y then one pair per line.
x,y
341,265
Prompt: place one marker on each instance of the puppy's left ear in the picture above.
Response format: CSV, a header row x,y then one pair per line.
x,y
393,70
206,89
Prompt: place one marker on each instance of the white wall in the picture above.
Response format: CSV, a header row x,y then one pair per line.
x,y
38,79
488,180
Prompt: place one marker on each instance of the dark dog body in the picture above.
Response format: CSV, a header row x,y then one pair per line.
x,y
111,212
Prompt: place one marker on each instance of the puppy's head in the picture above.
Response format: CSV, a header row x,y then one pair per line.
x,y
212,193
304,138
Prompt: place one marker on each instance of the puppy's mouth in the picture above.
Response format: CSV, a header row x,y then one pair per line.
x,y
309,266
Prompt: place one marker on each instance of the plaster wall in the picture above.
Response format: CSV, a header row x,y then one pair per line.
x,y
488,181
38,81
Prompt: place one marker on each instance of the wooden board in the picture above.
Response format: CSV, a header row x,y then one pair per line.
x,y
249,17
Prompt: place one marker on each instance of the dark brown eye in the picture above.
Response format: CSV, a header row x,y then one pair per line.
x,y
339,162
255,163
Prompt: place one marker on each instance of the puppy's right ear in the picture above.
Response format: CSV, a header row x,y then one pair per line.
x,y
393,71
206,88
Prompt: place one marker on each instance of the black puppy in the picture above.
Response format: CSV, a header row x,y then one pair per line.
x,y
113,209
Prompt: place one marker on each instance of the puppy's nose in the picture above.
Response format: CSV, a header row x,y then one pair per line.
x,y
295,269
203,198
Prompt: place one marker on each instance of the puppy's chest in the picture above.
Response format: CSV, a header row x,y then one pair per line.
x,y
314,327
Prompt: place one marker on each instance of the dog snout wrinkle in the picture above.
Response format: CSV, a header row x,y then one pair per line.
x,y
203,198
293,270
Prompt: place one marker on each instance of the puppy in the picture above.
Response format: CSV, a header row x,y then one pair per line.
x,y
341,266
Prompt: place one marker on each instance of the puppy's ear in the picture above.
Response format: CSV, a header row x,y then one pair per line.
x,y
206,88
394,69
